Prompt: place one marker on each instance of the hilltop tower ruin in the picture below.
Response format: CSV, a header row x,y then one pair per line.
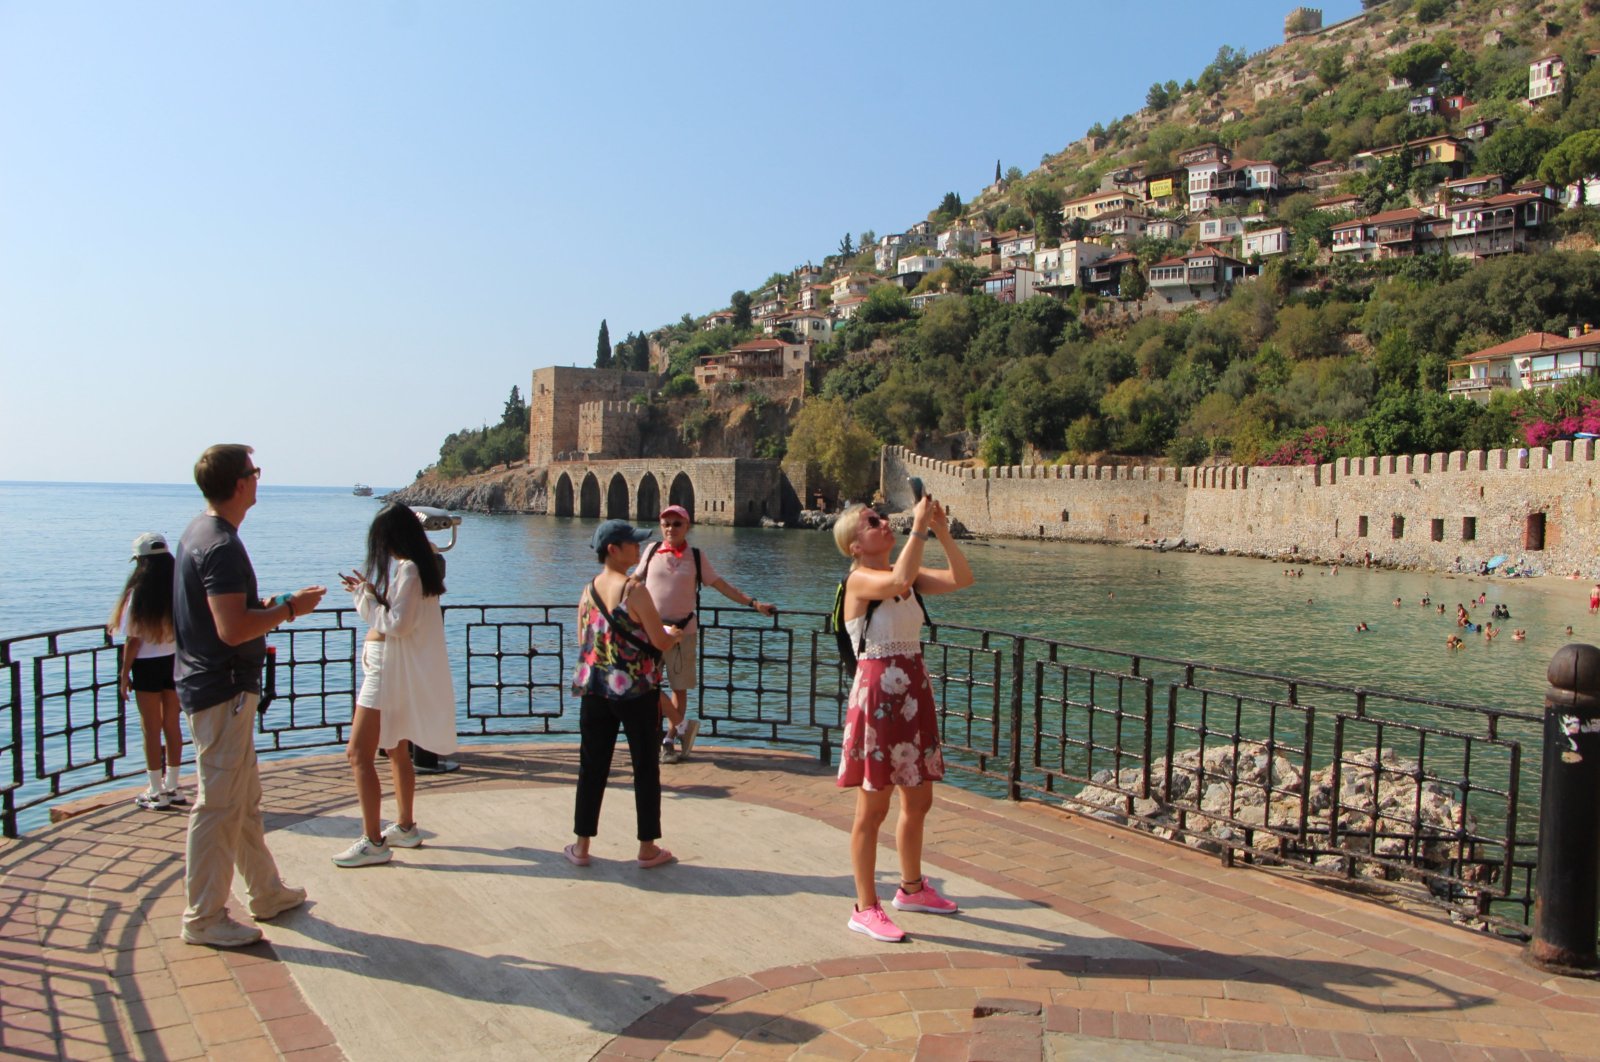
x,y
1301,21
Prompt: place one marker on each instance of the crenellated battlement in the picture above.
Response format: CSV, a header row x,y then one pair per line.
x,y
1456,508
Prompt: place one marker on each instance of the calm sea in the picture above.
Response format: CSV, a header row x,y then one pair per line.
x,y
66,549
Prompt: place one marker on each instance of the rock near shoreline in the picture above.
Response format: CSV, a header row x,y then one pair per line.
x,y
517,490
1214,799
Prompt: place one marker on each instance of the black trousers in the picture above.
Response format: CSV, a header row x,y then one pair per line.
x,y
598,721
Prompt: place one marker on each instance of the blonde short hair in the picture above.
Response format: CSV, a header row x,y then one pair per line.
x,y
846,527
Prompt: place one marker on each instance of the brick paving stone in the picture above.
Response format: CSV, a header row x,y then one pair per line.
x,y
942,1048
226,1026
299,1032
1208,1033
274,1003
877,1004
1355,1046
1100,1023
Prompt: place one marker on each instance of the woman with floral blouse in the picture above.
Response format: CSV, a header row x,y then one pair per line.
x,y
620,641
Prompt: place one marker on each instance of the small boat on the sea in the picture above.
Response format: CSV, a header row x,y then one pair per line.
x,y
361,490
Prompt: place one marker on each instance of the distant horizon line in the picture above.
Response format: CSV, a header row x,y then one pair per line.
x,y
142,483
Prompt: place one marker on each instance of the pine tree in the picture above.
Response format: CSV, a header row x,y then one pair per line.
x,y
602,350
996,171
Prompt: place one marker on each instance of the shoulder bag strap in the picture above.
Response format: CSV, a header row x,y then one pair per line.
x,y
621,632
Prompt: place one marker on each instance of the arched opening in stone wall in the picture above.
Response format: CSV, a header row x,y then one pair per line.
x,y
563,496
649,498
617,498
682,493
589,497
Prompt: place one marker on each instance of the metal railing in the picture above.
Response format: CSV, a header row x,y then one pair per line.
x,y
1423,799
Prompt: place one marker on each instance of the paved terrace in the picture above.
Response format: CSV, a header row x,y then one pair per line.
x,y
1076,940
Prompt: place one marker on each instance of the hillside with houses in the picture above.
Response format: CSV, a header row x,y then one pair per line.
x,y
1374,238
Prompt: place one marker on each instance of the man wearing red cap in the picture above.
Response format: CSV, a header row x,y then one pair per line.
x,y
673,572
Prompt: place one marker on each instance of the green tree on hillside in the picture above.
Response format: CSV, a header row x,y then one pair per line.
x,y
602,350
1419,63
1575,159
739,302
846,248
1516,151
835,447
516,411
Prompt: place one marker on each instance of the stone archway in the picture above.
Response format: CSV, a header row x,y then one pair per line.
x,y
682,493
589,497
617,498
649,498
563,496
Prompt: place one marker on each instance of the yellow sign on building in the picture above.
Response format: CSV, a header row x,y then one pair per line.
x,y
1161,189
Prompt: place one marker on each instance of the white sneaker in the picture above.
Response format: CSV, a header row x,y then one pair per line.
x,y
223,933
175,796
363,854
398,836
153,799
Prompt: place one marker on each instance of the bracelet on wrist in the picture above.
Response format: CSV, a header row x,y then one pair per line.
x,y
288,603
924,534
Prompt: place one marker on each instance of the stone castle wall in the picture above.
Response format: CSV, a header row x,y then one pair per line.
x,y
608,429
1424,511
554,402
729,491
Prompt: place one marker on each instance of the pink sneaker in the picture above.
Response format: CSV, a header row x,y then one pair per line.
x,y
875,924
925,899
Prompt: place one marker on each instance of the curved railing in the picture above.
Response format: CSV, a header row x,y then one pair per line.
x,y
1247,764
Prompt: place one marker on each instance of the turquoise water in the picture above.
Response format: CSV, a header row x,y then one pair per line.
x,y
66,557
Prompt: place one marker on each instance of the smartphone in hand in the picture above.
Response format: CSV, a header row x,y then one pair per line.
x,y
916,489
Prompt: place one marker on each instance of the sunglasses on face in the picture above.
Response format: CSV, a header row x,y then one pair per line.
x,y
874,520
254,473
671,523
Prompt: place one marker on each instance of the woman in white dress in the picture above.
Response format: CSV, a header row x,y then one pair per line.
x,y
406,691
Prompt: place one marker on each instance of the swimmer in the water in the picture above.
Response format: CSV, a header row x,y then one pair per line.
x,y
1362,626
1519,635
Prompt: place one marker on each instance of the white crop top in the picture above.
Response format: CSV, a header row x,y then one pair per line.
x,y
896,629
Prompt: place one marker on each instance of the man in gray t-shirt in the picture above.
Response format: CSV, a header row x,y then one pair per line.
x,y
221,626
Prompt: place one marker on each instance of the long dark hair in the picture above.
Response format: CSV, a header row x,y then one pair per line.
x,y
147,599
396,534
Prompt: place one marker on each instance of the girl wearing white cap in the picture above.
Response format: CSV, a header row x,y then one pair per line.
x,y
143,618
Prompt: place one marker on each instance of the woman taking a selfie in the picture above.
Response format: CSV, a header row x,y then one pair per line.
x,y
891,733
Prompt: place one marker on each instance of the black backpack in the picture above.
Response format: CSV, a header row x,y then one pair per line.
x,y
848,650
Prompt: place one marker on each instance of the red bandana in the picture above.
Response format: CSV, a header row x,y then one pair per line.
x,y
670,550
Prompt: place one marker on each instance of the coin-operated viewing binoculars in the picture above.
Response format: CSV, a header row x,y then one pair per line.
x,y
438,520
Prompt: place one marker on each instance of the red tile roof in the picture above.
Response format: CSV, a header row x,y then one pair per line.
x,y
1535,343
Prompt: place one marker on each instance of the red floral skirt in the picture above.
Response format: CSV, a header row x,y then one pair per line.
x,y
891,730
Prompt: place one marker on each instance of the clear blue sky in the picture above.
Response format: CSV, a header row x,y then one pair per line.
x,y
340,231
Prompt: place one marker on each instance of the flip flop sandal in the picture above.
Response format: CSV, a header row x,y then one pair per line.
x,y
574,857
661,858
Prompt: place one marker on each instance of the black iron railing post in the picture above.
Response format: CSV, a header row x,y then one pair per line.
x,y
1014,769
1567,888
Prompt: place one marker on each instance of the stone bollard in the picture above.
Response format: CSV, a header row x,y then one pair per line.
x,y
1567,887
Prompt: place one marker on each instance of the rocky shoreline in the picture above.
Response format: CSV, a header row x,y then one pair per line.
x,y
517,490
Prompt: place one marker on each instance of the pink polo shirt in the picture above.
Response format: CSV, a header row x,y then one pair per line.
x,y
670,580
